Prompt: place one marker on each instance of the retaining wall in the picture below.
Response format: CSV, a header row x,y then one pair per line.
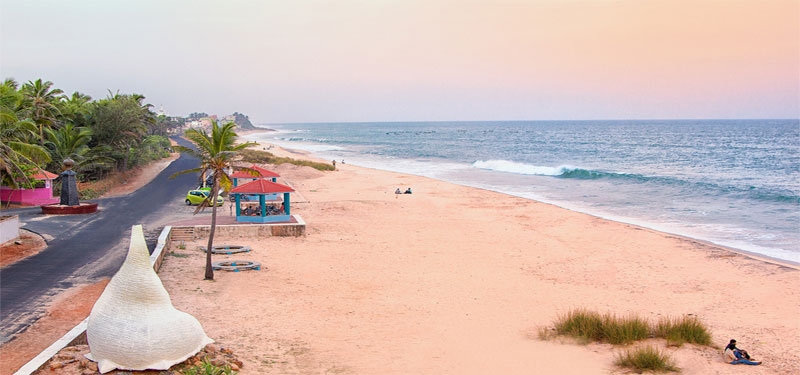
x,y
297,229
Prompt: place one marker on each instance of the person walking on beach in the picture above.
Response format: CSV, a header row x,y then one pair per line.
x,y
735,356
334,163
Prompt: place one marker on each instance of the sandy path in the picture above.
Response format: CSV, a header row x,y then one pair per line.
x,y
456,280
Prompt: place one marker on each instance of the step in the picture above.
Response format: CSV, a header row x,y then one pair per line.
x,y
182,234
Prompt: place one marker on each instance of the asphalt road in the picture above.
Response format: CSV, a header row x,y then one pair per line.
x,y
84,248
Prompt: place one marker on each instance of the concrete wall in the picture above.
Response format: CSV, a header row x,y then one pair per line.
x,y
9,228
258,230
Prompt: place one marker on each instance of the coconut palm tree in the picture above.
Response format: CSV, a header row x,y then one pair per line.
x,y
18,157
216,152
72,142
41,100
76,108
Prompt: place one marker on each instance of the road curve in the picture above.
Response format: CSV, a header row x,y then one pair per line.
x,y
84,248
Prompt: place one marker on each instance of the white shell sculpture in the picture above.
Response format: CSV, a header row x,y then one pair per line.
x,y
133,325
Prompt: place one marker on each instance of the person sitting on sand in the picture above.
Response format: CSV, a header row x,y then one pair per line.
x,y
735,356
398,191
408,191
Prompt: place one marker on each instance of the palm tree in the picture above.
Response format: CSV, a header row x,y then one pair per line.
x,y
216,152
76,108
18,157
72,142
42,103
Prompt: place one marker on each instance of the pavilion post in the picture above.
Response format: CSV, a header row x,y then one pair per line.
x,y
286,204
263,203
238,206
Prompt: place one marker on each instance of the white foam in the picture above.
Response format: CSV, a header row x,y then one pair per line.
x,y
311,147
521,168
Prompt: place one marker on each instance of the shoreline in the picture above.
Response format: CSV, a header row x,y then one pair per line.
x,y
458,280
309,155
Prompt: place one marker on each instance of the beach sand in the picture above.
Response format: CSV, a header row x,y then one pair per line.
x,y
458,280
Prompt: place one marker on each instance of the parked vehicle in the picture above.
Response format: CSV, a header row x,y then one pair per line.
x,y
197,196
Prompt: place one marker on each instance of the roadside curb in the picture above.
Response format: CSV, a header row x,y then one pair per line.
x,y
78,333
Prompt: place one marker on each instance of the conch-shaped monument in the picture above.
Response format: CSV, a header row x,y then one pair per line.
x,y
133,325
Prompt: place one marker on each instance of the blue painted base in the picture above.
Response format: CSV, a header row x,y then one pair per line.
x,y
263,219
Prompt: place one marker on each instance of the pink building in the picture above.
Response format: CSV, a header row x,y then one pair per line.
x,y
40,195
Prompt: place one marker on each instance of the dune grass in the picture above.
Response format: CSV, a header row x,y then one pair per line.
x,y
589,325
265,157
645,358
686,329
592,326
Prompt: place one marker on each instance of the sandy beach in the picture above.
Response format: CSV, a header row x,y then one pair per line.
x,y
457,280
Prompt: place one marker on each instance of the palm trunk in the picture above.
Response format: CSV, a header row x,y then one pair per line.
x,y
213,198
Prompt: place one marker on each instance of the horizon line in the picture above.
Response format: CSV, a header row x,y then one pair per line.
x,y
582,120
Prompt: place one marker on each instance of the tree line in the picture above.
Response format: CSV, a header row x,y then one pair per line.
x,y
40,126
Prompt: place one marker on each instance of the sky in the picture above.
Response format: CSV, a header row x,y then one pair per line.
x,y
418,60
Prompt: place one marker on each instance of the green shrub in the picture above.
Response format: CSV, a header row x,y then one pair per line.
x,y
208,368
681,330
265,157
89,193
645,358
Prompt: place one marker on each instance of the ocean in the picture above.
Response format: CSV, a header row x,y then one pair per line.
x,y
735,183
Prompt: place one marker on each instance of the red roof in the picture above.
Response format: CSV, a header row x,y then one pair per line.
x,y
44,175
262,171
261,186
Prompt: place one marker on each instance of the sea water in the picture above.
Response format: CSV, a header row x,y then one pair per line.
x,y
731,182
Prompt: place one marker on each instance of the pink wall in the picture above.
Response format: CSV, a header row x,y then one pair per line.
x,y
33,197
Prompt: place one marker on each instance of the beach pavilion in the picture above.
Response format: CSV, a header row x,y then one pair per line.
x,y
261,213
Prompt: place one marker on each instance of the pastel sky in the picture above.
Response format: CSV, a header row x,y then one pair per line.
x,y
407,60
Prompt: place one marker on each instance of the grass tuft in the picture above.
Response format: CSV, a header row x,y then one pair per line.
x,y
645,358
686,329
592,326
624,330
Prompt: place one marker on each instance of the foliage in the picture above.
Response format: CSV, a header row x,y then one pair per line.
x,y
208,368
216,152
41,104
71,142
266,157
645,358
40,126
89,193
681,330
120,121
19,153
